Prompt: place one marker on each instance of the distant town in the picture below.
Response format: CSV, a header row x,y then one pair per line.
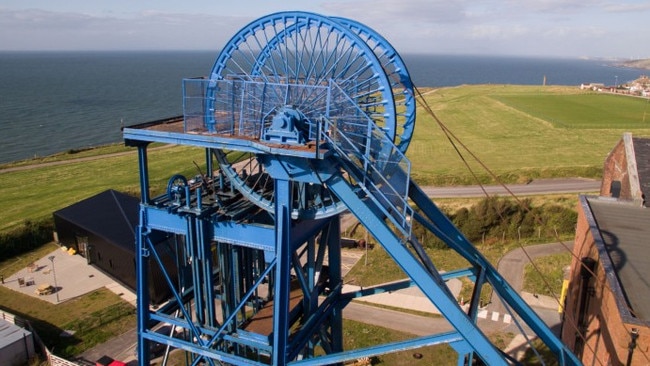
x,y
639,87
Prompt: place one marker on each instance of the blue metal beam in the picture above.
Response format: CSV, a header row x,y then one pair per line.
x,y
381,349
211,141
207,353
433,288
144,173
399,285
240,234
438,223
332,239
142,300
317,319
282,272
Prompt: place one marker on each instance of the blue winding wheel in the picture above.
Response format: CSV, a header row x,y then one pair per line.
x,y
311,49
176,187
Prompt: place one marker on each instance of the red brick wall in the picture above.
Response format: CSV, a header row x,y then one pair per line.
x,y
616,169
583,243
606,336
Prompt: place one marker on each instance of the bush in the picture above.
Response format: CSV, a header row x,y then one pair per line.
x,y
495,217
31,235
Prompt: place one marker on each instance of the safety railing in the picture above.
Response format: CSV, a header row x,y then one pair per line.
x,y
379,168
245,108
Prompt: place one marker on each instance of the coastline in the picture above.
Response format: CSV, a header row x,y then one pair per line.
x,y
636,64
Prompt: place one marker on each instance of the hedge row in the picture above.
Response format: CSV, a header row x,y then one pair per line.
x,y
493,219
31,235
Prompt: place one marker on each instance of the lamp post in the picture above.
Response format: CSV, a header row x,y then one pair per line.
x,y
56,287
616,82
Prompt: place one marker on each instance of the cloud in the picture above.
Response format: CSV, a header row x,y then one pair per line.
x,y
553,6
536,27
492,31
626,8
35,29
400,12
35,19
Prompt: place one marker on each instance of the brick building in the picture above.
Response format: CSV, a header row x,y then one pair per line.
x,y
626,174
607,312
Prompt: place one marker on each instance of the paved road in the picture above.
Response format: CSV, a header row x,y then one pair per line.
x,y
511,266
396,320
119,348
539,186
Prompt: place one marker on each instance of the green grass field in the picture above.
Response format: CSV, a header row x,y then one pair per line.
x,y
589,111
36,193
512,130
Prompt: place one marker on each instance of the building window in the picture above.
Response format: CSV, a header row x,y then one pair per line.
x,y
615,188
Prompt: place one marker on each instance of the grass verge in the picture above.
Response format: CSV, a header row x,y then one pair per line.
x,y
551,273
517,143
359,335
91,319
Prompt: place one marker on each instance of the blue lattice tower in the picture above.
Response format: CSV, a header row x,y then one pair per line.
x,y
301,118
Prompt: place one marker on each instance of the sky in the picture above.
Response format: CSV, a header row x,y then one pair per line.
x,y
618,29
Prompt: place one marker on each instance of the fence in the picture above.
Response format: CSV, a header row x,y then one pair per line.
x,y
52,359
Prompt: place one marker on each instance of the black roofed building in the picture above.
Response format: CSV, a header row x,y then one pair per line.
x,y
102,229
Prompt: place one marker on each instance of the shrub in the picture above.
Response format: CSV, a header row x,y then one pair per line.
x,y
495,217
31,235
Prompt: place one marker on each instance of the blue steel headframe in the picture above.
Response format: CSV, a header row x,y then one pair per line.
x,y
398,76
229,248
308,48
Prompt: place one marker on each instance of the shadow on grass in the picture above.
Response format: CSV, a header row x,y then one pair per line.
x,y
83,332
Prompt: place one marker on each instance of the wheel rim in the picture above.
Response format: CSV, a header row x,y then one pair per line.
x,y
398,76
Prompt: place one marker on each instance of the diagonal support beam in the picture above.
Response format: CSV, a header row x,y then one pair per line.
x,y
433,287
436,222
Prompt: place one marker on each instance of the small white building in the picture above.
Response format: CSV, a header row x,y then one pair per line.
x,y
16,344
592,86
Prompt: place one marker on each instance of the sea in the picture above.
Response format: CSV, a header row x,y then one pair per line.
x,y
54,102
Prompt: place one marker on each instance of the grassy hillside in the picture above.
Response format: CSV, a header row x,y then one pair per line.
x,y
510,128
36,193
522,132
590,111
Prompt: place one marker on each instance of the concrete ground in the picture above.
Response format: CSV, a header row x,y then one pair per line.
x,y
74,278
70,274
